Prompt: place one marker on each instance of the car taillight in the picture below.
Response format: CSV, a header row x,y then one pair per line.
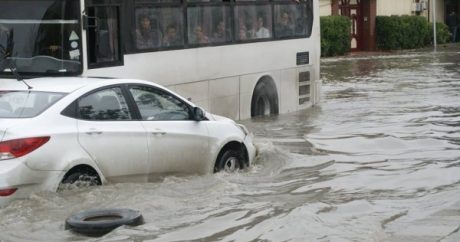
x,y
7,192
19,147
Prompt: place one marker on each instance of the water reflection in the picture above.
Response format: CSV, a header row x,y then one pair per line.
x,y
381,150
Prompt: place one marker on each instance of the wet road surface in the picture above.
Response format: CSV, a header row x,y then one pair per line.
x,y
380,152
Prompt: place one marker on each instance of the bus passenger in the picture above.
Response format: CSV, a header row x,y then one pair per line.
x,y
199,37
259,30
4,39
146,36
221,34
171,38
243,33
284,26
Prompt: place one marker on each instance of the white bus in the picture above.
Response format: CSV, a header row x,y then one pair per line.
x,y
236,58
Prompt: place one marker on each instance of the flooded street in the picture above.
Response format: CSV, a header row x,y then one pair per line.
x,y
380,151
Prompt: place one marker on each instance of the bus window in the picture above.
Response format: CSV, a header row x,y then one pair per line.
x,y
253,22
293,19
209,24
290,20
147,34
104,39
165,29
40,37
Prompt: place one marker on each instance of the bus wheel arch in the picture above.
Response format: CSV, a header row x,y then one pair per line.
x,y
265,98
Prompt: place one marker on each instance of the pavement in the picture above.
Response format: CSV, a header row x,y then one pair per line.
x,y
455,47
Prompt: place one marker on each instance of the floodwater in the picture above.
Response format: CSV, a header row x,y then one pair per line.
x,y
382,150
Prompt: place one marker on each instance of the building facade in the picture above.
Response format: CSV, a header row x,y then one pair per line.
x,y
363,14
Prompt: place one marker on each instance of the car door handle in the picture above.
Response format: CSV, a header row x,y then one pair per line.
x,y
93,132
158,132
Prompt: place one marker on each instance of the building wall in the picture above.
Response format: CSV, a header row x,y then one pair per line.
x,y
440,11
325,7
394,7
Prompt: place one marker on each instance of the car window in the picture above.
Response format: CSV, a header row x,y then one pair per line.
x,y
108,104
26,104
158,105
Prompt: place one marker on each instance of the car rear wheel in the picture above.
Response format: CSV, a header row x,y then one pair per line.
x,y
78,178
230,161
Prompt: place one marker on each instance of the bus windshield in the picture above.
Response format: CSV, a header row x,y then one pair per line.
x,y
40,37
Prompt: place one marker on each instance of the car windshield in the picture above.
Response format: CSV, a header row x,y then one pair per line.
x,y
26,104
40,37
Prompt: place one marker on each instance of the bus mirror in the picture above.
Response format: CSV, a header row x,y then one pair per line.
x,y
89,22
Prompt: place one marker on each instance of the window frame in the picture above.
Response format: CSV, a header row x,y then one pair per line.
x,y
72,110
121,50
157,91
308,28
230,4
58,74
130,11
132,19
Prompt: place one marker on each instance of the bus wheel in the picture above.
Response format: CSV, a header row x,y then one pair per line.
x,y
264,99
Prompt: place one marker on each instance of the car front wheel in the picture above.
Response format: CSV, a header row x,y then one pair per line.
x,y
229,161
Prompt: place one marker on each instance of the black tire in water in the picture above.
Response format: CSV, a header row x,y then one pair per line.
x,y
264,100
230,161
98,222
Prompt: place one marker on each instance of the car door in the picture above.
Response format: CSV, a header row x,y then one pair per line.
x,y
176,142
113,138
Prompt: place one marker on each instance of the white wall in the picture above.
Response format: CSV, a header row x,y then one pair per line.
x,y
325,8
440,11
394,7
384,7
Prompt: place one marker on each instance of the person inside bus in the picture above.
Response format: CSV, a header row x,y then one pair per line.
x,y
51,38
5,45
199,37
147,37
242,33
284,27
259,31
221,34
4,39
171,38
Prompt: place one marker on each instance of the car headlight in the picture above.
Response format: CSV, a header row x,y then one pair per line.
x,y
243,128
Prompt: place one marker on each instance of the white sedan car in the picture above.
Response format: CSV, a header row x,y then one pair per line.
x,y
69,130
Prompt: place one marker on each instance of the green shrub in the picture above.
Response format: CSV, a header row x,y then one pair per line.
x,y
407,32
442,33
335,35
401,32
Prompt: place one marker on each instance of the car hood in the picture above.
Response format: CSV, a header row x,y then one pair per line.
x,y
8,123
222,119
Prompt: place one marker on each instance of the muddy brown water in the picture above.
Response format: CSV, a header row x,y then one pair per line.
x,y
380,151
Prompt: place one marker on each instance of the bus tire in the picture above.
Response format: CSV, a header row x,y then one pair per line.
x,y
264,100
98,222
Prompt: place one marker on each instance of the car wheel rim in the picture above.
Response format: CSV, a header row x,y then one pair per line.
x,y
231,164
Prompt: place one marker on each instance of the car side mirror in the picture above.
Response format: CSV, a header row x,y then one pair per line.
x,y
198,114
